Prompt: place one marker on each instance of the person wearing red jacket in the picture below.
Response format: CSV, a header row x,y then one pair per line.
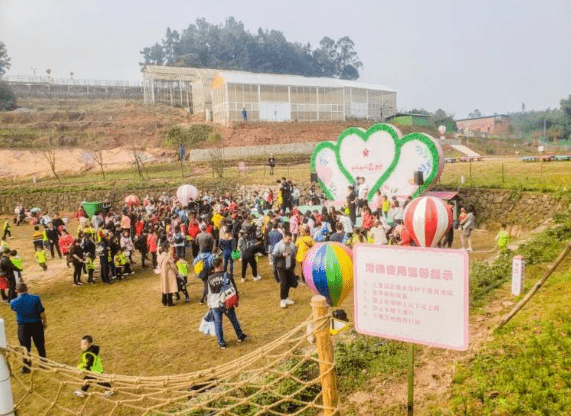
x,y
192,232
139,227
368,220
152,246
65,244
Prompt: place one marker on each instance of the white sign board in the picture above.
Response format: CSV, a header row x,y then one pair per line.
x,y
412,294
540,149
518,273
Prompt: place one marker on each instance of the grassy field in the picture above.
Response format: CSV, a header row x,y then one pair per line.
x,y
509,173
506,173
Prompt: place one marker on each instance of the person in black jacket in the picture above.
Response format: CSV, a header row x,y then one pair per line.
x,y
76,257
53,239
57,221
249,257
7,269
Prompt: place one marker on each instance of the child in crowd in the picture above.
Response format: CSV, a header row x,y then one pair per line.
x,y
17,261
38,237
3,245
119,265
6,230
502,239
41,256
182,278
90,361
90,267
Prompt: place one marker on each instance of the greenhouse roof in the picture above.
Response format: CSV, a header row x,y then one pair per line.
x,y
175,72
237,77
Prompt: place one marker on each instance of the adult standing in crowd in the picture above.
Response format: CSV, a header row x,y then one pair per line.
x,y
76,257
53,239
284,262
468,224
31,319
215,284
205,241
272,163
168,274
7,269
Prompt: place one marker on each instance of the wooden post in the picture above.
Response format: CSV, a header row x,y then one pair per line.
x,y
536,287
325,353
410,380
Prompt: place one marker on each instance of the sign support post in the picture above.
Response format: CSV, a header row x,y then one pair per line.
x,y
410,379
412,294
6,399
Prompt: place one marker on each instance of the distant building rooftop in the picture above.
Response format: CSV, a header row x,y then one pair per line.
x,y
478,118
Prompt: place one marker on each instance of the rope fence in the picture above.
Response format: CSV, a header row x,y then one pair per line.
x,y
284,377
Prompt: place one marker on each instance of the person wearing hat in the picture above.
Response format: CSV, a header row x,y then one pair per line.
x,y
204,240
31,319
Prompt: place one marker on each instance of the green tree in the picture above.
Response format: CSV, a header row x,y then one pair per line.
x,y
231,46
347,62
4,59
154,55
7,97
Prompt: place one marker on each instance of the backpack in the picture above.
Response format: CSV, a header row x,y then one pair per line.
x,y
322,233
179,238
100,249
228,294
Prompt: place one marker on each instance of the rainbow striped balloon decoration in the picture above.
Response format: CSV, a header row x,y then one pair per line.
x,y
328,271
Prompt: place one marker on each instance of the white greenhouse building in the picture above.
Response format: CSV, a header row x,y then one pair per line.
x,y
223,95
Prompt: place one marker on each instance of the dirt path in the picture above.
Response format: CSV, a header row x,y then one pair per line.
x,y
30,163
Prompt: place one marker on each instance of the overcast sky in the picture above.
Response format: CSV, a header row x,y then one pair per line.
x,y
450,54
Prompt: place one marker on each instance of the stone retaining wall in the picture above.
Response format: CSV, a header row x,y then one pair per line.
x,y
492,206
525,209
245,152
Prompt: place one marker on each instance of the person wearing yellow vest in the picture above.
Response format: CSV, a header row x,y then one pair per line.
x,y
182,279
385,206
6,230
17,261
303,243
502,239
41,256
90,361
90,267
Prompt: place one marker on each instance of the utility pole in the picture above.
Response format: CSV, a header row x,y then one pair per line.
x,y
543,130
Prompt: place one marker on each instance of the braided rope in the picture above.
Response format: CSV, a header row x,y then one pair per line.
x,y
280,378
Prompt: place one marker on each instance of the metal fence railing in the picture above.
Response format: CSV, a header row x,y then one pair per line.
x,y
71,81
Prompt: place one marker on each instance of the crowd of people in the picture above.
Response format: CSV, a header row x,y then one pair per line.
x,y
205,237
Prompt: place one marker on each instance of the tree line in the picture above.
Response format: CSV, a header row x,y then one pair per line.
x,y
230,46
554,123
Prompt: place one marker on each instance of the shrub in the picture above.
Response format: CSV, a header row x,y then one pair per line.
x,y
196,133
7,97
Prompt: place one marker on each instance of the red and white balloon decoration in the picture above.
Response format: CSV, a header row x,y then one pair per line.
x,y
427,219
185,193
